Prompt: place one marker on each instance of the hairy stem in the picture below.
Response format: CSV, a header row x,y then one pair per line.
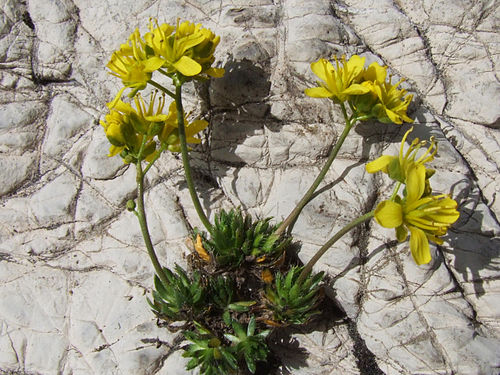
x,y
185,159
308,267
307,196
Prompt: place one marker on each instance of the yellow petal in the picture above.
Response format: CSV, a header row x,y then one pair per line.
x,y
447,214
389,214
187,66
123,107
415,182
355,65
116,99
377,89
435,239
193,140
419,246
379,164
189,42
318,92
322,68
153,63
113,150
393,116
195,127
401,233
215,72
356,90
114,133
375,72
405,117
156,118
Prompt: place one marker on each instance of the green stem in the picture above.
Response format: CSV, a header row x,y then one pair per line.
x,y
155,158
141,215
162,88
395,192
307,196
185,159
308,267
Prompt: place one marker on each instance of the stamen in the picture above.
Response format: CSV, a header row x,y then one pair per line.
x,y
402,144
423,224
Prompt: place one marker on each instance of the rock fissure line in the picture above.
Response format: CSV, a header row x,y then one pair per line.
x,y
431,334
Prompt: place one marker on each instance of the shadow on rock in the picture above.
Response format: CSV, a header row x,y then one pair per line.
x,y
476,249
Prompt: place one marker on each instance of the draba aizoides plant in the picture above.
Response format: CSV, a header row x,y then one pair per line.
x,y
243,280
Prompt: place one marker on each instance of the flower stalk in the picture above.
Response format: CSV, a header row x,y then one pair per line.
x,y
349,123
141,215
308,267
162,88
185,158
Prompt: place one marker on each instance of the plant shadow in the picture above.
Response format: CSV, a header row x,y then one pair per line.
x,y
473,239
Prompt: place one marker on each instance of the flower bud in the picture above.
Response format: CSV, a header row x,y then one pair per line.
x,y
129,159
131,205
155,128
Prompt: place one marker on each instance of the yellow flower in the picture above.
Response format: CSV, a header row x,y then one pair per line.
x,y
119,132
203,53
375,73
392,102
126,127
170,133
338,83
397,167
363,104
384,101
426,217
132,65
189,50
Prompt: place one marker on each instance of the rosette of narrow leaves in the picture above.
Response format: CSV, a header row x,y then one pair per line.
x,y
221,291
235,237
249,345
228,237
208,353
266,246
181,299
221,295
291,300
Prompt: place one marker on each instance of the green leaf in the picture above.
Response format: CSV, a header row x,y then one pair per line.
x,y
232,338
269,243
250,363
251,326
241,306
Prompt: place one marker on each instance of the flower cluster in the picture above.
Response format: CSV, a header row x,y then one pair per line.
x,y
134,133
368,91
182,52
187,49
425,216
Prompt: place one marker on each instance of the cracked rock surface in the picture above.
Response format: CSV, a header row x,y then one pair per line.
x,y
74,274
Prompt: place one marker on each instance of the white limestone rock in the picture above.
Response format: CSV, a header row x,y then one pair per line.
x,y
74,272
91,209
65,122
15,170
18,124
97,164
54,25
